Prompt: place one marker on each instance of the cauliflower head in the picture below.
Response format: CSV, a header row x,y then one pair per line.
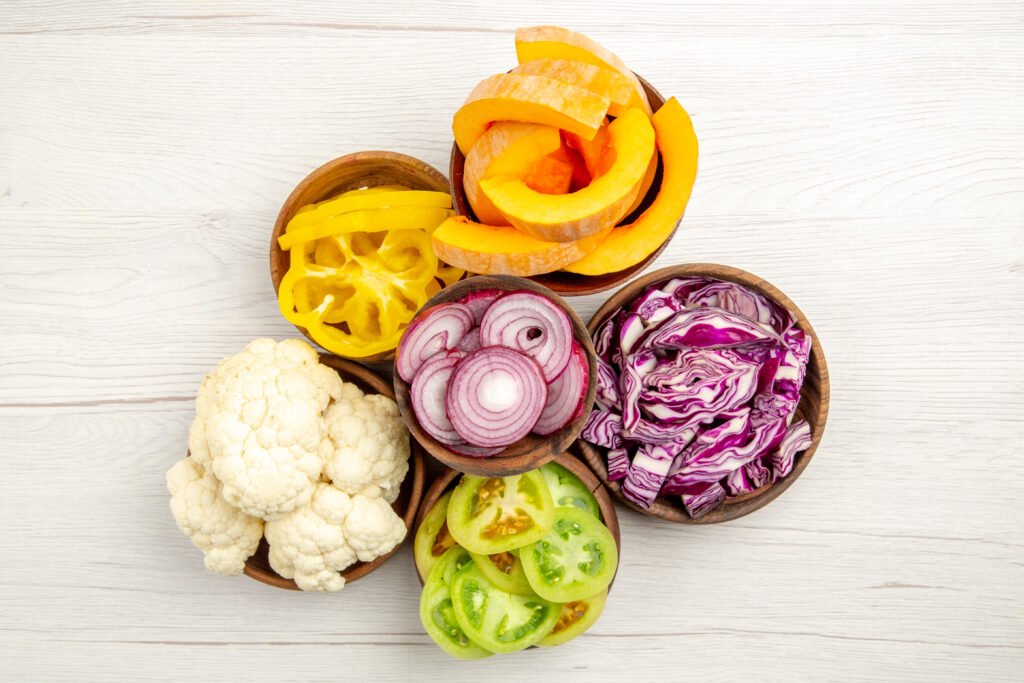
x,y
226,535
369,445
316,542
259,425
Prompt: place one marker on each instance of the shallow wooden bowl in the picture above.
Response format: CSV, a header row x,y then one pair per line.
x,y
350,172
813,406
571,284
408,502
531,451
447,479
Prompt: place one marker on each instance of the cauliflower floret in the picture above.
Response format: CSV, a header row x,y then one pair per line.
x,y
369,445
314,543
227,536
259,425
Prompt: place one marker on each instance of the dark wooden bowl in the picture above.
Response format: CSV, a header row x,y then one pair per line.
x,y
408,502
531,451
565,283
350,172
446,479
813,406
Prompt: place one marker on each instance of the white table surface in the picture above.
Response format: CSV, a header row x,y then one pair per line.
x,y
868,159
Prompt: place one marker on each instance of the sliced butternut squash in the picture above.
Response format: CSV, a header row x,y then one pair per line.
x,y
628,245
507,148
573,216
606,82
549,175
599,157
552,42
500,250
520,97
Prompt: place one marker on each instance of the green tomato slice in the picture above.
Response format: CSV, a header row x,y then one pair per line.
x,y
432,538
567,490
437,612
488,515
577,558
505,571
576,617
499,621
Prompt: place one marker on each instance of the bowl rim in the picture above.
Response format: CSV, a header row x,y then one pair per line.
x,y
294,201
369,382
755,500
547,447
563,283
447,478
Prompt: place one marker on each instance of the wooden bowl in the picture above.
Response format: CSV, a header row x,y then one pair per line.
x,y
531,451
448,477
350,172
571,284
408,502
813,406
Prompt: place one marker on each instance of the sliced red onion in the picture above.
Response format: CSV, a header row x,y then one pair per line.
x,y
565,394
495,396
474,451
479,301
470,342
428,393
531,324
439,330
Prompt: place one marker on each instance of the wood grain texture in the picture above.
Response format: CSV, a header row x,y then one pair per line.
x,y
866,158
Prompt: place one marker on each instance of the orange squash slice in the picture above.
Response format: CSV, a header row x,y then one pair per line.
x,y
606,82
549,175
599,158
500,250
552,42
573,216
520,97
507,148
630,244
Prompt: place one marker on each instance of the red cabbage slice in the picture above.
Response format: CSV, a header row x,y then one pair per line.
x,y
603,428
648,472
655,306
603,340
618,464
708,327
797,438
630,330
742,301
607,385
699,504
636,366
758,473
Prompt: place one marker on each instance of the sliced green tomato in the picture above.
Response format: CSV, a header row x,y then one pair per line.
x,y
576,617
505,571
437,612
574,560
499,621
567,490
432,538
495,515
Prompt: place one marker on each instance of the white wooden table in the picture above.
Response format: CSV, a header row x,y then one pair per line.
x,y
868,159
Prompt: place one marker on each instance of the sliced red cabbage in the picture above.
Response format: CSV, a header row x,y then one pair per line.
x,y
618,464
603,340
603,428
629,333
436,330
757,472
797,438
566,394
742,301
635,368
708,327
532,325
607,386
680,287
699,504
655,306
648,471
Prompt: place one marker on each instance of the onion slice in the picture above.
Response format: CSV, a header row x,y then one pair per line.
x,y
470,342
565,394
533,325
440,329
428,393
495,396
479,301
